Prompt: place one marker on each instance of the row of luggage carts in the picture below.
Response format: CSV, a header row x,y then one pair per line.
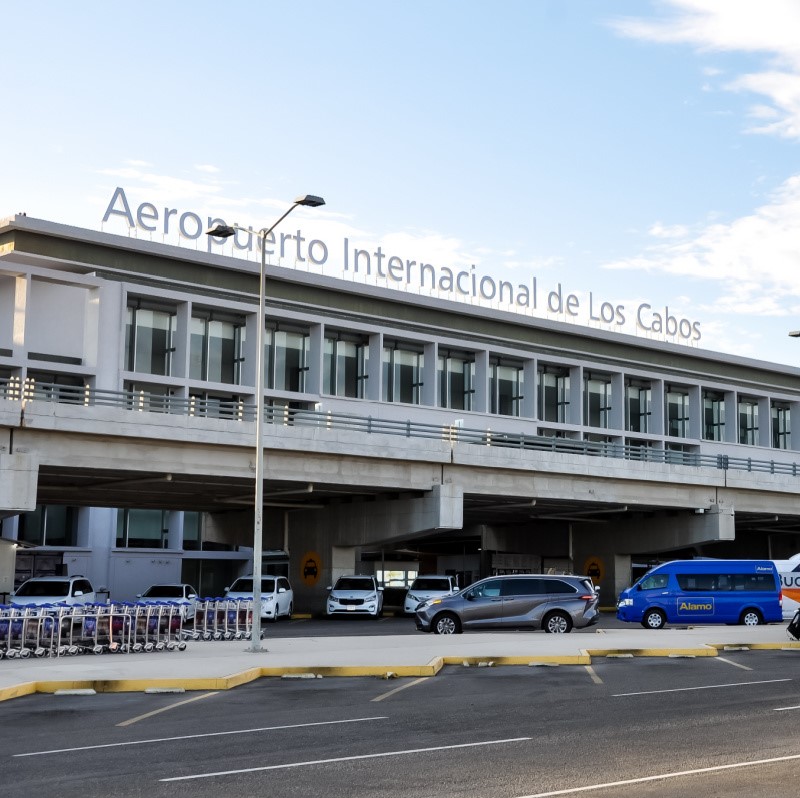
x,y
59,630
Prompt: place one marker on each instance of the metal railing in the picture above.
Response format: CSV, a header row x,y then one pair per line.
x,y
12,388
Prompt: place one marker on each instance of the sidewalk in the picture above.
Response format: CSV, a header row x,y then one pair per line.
x,y
222,665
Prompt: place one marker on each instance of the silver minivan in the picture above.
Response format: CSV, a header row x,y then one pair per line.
x,y
555,603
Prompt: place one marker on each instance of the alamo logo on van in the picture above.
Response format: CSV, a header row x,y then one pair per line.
x,y
701,606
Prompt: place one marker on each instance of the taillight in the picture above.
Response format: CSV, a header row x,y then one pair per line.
x,y
780,598
588,598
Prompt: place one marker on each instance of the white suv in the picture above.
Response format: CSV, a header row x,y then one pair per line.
x,y
277,596
427,587
54,590
355,595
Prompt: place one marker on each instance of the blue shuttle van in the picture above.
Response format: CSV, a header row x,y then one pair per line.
x,y
704,591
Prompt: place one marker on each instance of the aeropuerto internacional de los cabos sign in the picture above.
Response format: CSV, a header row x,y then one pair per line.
x,y
457,283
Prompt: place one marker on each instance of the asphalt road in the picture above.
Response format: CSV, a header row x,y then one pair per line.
x,y
504,732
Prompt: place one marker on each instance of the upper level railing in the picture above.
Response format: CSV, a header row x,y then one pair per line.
x,y
236,410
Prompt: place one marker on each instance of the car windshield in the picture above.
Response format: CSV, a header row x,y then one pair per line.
x,y
244,585
354,583
164,591
53,587
430,583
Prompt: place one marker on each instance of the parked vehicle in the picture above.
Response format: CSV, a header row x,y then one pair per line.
x,y
355,595
182,594
426,587
789,572
277,596
39,590
704,591
555,603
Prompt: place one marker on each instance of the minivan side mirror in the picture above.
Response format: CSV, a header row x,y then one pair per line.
x,y
192,596
78,593
469,596
281,590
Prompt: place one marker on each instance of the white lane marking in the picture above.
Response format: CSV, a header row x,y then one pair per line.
x,y
592,675
785,709
401,687
166,708
662,776
706,687
345,759
199,736
731,662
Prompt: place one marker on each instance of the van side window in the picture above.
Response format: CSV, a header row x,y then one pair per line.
x,y
491,588
529,586
654,582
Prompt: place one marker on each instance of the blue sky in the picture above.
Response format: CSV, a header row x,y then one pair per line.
x,y
643,152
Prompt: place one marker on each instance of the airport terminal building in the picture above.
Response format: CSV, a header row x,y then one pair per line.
x,y
405,433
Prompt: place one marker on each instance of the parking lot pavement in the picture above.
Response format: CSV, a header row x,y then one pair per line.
x,y
225,664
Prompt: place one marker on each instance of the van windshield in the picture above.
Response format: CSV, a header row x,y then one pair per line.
x,y
49,588
246,586
430,583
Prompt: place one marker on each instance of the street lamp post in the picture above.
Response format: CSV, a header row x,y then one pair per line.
x,y
225,231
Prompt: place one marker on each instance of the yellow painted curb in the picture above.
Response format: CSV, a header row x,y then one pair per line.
x,y
705,651
577,659
758,646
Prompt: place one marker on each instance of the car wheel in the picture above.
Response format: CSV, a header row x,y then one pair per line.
x,y
654,619
446,624
751,618
558,623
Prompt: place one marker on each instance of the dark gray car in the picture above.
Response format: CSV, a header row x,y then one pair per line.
x,y
555,603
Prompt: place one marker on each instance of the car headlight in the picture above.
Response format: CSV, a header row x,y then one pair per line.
x,y
267,598
626,602
371,597
412,597
428,603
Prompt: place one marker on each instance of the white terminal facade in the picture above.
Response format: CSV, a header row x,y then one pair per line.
x,y
405,433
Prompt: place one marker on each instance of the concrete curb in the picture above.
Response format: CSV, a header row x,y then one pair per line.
x,y
432,668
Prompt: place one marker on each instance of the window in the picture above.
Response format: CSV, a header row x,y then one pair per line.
x,y
748,421
216,348
638,405
488,589
456,380
553,394
721,583
49,525
149,339
202,403
402,374
781,425
345,366
287,359
597,400
151,398
137,529
654,582
677,417
505,385
713,416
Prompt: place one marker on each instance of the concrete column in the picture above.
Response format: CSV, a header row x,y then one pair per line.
x,y
529,397
480,402
316,354
22,296
374,390
430,385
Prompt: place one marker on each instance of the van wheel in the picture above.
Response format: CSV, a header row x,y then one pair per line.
x,y
446,624
558,623
751,618
654,619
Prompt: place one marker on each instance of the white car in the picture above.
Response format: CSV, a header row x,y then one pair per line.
x,y
180,593
427,587
277,596
54,590
355,595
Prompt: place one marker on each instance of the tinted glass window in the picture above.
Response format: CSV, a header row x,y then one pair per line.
x,y
83,585
164,591
557,586
527,586
246,586
49,588
717,583
429,583
353,583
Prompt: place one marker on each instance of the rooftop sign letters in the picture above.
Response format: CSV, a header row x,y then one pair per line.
x,y
465,284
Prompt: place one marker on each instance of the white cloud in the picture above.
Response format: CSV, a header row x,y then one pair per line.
x,y
206,168
766,27
659,230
